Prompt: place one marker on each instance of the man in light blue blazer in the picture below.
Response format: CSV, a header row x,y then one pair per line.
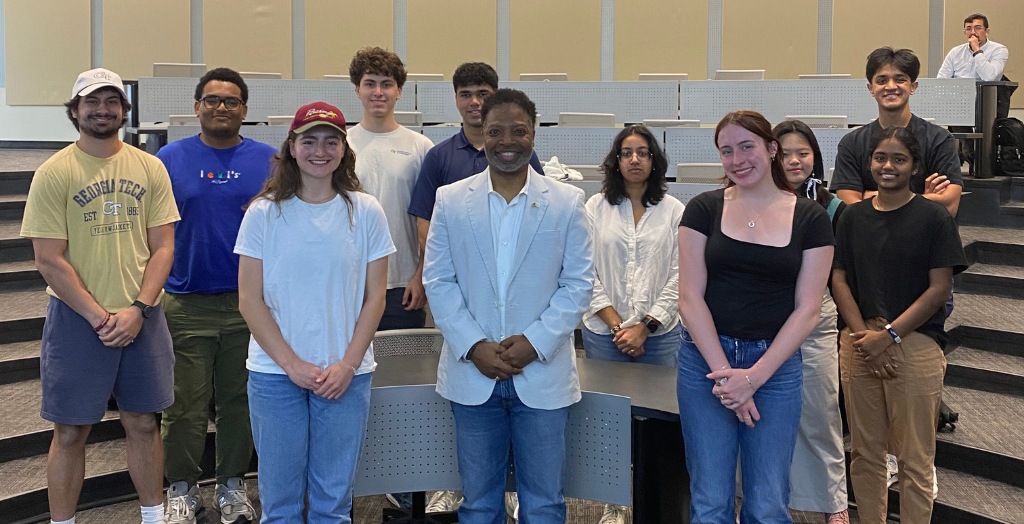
x,y
508,274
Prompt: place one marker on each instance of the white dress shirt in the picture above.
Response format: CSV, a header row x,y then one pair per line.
x,y
636,267
987,65
506,219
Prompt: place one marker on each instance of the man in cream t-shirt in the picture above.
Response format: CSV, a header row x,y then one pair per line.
x,y
388,160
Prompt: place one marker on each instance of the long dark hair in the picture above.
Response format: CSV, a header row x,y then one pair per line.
x,y
756,123
614,186
285,178
905,137
814,187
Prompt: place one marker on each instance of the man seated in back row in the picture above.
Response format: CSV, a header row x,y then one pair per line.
x,y
892,78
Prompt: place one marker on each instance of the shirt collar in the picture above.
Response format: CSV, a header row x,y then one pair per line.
x,y
523,191
461,141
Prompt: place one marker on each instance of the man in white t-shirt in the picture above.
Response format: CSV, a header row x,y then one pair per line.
x,y
388,159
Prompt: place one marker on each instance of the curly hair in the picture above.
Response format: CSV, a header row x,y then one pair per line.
x,y
224,75
510,96
72,104
376,61
285,178
474,74
614,185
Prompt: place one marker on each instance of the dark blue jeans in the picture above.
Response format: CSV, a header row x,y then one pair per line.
x,y
714,438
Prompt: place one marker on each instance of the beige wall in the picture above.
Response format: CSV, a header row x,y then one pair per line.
x,y
779,37
48,43
436,46
858,29
248,35
1004,18
336,29
556,36
137,34
637,26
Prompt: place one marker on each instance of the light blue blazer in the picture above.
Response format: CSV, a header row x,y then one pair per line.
x,y
550,288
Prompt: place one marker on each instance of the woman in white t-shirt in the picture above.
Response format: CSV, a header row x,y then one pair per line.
x,y
311,281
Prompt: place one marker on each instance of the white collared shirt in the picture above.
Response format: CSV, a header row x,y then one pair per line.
x,y
506,220
987,66
636,267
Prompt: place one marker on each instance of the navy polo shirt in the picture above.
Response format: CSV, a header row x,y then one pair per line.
x,y
447,162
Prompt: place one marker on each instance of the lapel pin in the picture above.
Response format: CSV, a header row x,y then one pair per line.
x,y
534,205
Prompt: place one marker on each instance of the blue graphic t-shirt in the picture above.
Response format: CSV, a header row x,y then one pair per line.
x,y
210,187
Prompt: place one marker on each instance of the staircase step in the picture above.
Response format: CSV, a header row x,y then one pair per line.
x,y
19,274
969,499
987,441
15,182
993,323
992,279
12,207
1012,208
989,245
22,314
985,370
23,433
19,361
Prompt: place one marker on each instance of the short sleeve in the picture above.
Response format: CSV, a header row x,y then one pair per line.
x,y
945,159
425,191
253,229
840,259
947,248
817,226
847,173
46,209
699,213
378,237
162,208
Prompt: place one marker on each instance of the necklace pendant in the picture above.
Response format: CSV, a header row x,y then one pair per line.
x,y
750,224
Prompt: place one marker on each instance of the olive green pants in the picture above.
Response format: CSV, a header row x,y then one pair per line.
x,y
211,343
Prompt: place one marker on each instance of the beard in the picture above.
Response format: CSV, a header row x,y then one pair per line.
x,y
501,166
87,127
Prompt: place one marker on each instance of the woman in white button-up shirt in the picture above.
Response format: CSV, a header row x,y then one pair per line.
x,y
634,315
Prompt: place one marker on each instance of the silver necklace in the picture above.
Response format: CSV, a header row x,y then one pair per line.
x,y
751,224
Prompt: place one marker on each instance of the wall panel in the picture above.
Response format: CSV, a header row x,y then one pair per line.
x,y
779,37
434,46
48,45
336,29
660,36
137,34
861,26
1004,19
248,35
556,37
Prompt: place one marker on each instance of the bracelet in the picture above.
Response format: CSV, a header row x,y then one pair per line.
x,y
616,328
349,366
102,324
749,383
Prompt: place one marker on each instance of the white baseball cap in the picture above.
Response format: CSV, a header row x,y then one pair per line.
x,y
94,79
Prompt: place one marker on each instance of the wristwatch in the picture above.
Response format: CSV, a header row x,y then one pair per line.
x,y
469,354
892,333
616,328
146,310
651,323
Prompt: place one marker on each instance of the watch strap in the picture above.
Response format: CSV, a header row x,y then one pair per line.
x,y
146,309
893,334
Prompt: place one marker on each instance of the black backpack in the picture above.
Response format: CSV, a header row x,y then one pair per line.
x,y
1009,147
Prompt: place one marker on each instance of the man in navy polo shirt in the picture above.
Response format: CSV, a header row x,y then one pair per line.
x,y
214,176
459,157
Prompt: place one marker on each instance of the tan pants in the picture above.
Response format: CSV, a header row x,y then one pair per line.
x,y
903,411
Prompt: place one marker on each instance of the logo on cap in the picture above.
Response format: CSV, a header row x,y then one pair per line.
x,y
314,113
103,75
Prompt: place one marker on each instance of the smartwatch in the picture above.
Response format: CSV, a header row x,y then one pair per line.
x,y
892,333
146,310
651,323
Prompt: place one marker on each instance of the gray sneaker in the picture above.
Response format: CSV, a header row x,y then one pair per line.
x,y
235,507
183,503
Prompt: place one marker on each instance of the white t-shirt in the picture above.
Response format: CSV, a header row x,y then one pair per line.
x,y
387,165
314,272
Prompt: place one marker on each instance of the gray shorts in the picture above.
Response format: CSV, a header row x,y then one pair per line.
x,y
79,373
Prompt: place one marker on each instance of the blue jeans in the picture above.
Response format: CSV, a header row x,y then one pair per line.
x,y
537,436
713,437
307,446
660,350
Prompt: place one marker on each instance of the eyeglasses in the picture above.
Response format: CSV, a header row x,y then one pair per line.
x,y
976,29
626,155
231,103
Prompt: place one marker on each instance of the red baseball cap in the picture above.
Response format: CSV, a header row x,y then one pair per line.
x,y
316,114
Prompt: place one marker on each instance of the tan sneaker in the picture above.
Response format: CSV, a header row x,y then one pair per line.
x,y
614,514
443,501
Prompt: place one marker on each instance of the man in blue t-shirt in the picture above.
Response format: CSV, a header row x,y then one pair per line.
x,y
214,175
459,157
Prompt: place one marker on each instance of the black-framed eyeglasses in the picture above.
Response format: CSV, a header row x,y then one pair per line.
x,y
626,155
231,103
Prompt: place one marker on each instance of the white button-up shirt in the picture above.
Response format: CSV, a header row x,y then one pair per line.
x,y
506,219
636,267
987,66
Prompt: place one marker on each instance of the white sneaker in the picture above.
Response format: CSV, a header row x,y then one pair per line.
x,y
893,468
512,505
234,504
443,501
614,514
183,503
935,483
